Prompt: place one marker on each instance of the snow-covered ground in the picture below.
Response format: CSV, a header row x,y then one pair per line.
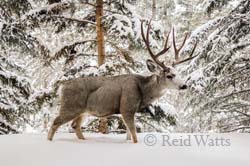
x,y
98,149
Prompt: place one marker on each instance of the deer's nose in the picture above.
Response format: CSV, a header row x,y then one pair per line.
x,y
183,87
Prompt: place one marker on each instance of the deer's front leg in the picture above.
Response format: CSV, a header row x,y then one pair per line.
x,y
129,122
129,104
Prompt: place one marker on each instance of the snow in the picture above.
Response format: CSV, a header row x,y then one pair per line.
x,y
206,27
123,29
234,3
198,78
196,75
165,106
47,8
179,9
1,27
98,149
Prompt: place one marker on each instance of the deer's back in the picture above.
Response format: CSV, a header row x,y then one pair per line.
x,y
99,95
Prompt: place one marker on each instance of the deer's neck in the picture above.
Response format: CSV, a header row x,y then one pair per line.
x,y
152,90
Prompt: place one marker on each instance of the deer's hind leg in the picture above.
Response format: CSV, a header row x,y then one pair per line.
x,y
128,135
60,120
76,125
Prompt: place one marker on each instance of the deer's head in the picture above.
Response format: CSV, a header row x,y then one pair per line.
x,y
167,74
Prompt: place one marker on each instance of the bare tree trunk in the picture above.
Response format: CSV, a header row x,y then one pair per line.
x,y
164,15
154,9
101,53
99,30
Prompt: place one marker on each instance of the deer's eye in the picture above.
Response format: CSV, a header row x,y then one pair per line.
x,y
169,77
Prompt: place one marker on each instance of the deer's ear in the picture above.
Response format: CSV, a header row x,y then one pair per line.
x,y
152,67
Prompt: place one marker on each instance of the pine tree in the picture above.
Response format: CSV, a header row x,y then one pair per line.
x,y
219,100
48,43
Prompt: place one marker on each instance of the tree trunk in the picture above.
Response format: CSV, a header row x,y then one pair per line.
x,y
101,53
99,30
153,9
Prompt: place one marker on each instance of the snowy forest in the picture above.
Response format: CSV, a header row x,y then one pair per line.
x,y
45,42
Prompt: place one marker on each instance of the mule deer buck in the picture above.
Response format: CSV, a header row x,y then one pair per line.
x,y
125,94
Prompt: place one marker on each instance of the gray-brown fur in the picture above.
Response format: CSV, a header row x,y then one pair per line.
x,y
125,94
104,96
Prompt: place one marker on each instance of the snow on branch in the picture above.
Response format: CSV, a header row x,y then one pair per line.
x,y
81,21
13,6
125,53
16,81
15,35
66,50
34,17
6,128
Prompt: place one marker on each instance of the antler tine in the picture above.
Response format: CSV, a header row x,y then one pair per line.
x,y
192,52
148,31
177,50
190,56
146,40
166,48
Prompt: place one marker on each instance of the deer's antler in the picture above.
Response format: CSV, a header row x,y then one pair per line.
x,y
177,50
147,43
166,47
